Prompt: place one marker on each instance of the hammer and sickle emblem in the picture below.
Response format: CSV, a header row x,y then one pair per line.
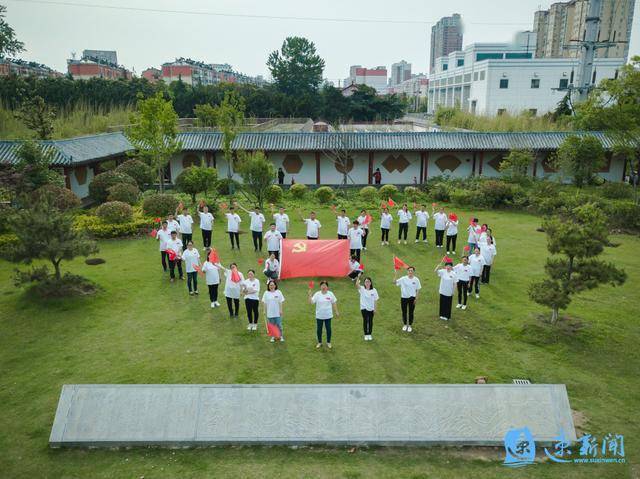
x,y
299,247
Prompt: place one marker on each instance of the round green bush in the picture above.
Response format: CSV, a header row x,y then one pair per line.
x,y
369,194
324,194
59,197
225,185
274,194
124,192
139,171
115,212
440,192
160,204
99,187
616,191
388,191
412,194
298,190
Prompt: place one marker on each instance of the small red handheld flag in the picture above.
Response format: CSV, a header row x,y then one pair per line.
x,y
172,254
273,330
446,259
153,233
157,220
383,205
367,219
260,261
467,248
391,202
434,204
453,217
311,284
361,267
399,264
213,256
235,276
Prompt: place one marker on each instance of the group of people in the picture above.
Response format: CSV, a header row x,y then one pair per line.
x,y
177,249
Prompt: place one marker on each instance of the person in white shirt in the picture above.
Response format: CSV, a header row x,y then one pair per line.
x,y
404,216
422,217
463,273
251,291
175,245
257,222
191,258
271,268
343,224
172,224
273,238
364,224
326,308
385,226
439,224
489,252
472,240
448,279
452,233
272,300
313,226
368,304
212,278
206,225
355,235
186,226
232,288
282,221
233,226
354,268
163,235
409,288
477,262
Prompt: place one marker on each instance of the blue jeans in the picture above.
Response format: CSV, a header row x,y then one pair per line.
x,y
278,322
327,326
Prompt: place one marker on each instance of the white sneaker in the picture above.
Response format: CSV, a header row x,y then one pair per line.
x,y
415,241
409,329
255,327
366,337
365,248
477,296
217,304
282,339
249,327
425,241
442,317
404,328
273,340
382,243
213,305
464,306
453,252
448,252
405,241
458,306
398,241
370,338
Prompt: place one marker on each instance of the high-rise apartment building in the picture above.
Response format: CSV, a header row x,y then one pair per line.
x,y
400,72
446,37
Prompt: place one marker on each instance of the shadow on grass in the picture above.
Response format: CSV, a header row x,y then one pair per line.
x,y
570,331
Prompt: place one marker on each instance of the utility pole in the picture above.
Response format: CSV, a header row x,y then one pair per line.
x,y
588,50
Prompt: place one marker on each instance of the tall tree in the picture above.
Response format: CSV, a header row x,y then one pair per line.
x,y
257,176
515,164
34,168
154,133
296,68
37,116
580,157
9,44
576,238
229,118
197,179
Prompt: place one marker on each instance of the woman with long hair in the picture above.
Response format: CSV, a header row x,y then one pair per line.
x,y
325,302
368,303
251,291
272,300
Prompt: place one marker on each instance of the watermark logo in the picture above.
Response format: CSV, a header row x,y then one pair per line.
x,y
520,448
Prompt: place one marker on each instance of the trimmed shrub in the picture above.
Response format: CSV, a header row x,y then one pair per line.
x,y
324,194
59,197
99,187
139,171
115,212
124,192
496,193
95,227
298,190
440,192
412,194
274,194
224,186
369,194
616,191
7,240
623,215
388,191
159,204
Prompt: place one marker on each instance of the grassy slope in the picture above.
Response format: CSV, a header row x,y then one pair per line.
x,y
141,329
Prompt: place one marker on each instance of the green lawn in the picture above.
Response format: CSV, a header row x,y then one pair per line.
x,y
142,329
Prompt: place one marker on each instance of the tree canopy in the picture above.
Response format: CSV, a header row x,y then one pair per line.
x,y
9,44
296,68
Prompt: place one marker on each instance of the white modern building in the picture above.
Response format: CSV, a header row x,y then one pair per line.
x,y
400,72
496,78
373,77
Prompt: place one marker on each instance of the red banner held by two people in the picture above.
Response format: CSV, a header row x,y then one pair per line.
x,y
314,258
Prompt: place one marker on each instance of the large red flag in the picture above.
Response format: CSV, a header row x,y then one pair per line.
x,y
273,330
310,258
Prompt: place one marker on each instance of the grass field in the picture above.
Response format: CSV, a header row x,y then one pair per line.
x,y
142,329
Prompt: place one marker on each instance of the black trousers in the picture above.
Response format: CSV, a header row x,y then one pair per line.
x,y
445,306
164,256
206,238
172,268
463,289
271,274
252,310
439,237
186,237
275,253
257,240
213,292
284,235
342,236
192,281
367,321
451,241
475,280
364,237
353,274
311,238
486,273
235,235
385,234
423,230
233,302
403,228
356,253
408,305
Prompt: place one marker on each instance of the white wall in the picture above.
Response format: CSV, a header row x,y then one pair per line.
x,y
82,191
464,169
404,177
358,175
307,174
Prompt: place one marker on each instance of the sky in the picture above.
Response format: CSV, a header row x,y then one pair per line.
x,y
144,39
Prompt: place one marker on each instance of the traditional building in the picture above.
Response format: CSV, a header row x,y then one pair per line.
x,y
12,66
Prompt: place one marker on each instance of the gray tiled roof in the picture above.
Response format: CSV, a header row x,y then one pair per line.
x,y
97,147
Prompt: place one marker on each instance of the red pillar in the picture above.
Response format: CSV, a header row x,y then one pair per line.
x,y
370,174
317,167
